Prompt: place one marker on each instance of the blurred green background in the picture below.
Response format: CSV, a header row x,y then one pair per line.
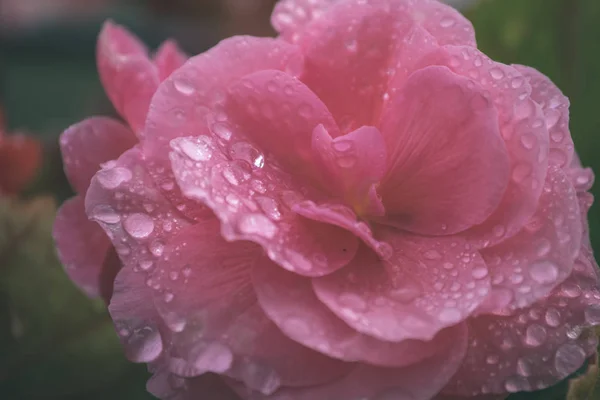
x,y
57,345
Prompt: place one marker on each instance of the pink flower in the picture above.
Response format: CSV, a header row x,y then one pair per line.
x,y
130,78
364,207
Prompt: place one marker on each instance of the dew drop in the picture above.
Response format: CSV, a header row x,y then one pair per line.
x,y
347,161
215,358
146,265
447,22
544,272
184,87
197,150
296,327
139,226
385,250
480,273
535,335
450,315
353,301
222,131
432,255
342,146
523,367
105,214
592,314
407,292
496,73
528,140
113,178
247,152
257,224
144,345
552,317
543,247
568,358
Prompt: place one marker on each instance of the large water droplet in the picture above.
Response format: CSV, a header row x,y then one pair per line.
x,y
196,149
113,178
143,345
543,247
479,273
215,358
592,314
184,87
297,327
298,262
139,226
569,357
447,22
523,367
544,272
535,335
247,152
552,317
432,255
257,224
450,315
236,172
222,131
496,73
342,146
105,214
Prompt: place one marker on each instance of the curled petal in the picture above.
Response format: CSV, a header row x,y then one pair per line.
x,y
190,101
534,348
253,198
528,266
421,287
523,128
422,380
449,165
90,143
290,302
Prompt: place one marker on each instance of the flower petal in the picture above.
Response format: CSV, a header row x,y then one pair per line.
x,y
276,111
253,198
168,58
88,144
347,54
424,286
290,302
353,164
136,321
131,210
190,101
524,131
130,79
82,246
450,165
291,16
533,349
207,310
556,110
528,266
417,381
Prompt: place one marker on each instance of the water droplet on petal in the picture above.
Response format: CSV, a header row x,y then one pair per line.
x,y
552,317
406,292
222,131
297,327
432,255
450,315
247,152
447,22
592,314
544,272
139,226
569,357
143,345
523,367
270,207
257,224
480,273
496,73
353,301
535,335
184,87
113,178
215,358
197,150
105,214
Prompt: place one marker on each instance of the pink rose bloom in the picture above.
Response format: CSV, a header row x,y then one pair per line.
x,y
366,207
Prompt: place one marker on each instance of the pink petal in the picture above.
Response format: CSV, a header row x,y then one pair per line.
x,y
291,16
191,101
535,348
528,266
168,58
446,24
291,303
90,143
450,164
130,79
483,397
556,111
353,164
165,385
216,324
132,311
253,197
424,286
82,246
347,54
278,112
524,131
417,381
132,211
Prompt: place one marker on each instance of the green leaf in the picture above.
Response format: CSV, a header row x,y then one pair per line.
x,y
54,342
